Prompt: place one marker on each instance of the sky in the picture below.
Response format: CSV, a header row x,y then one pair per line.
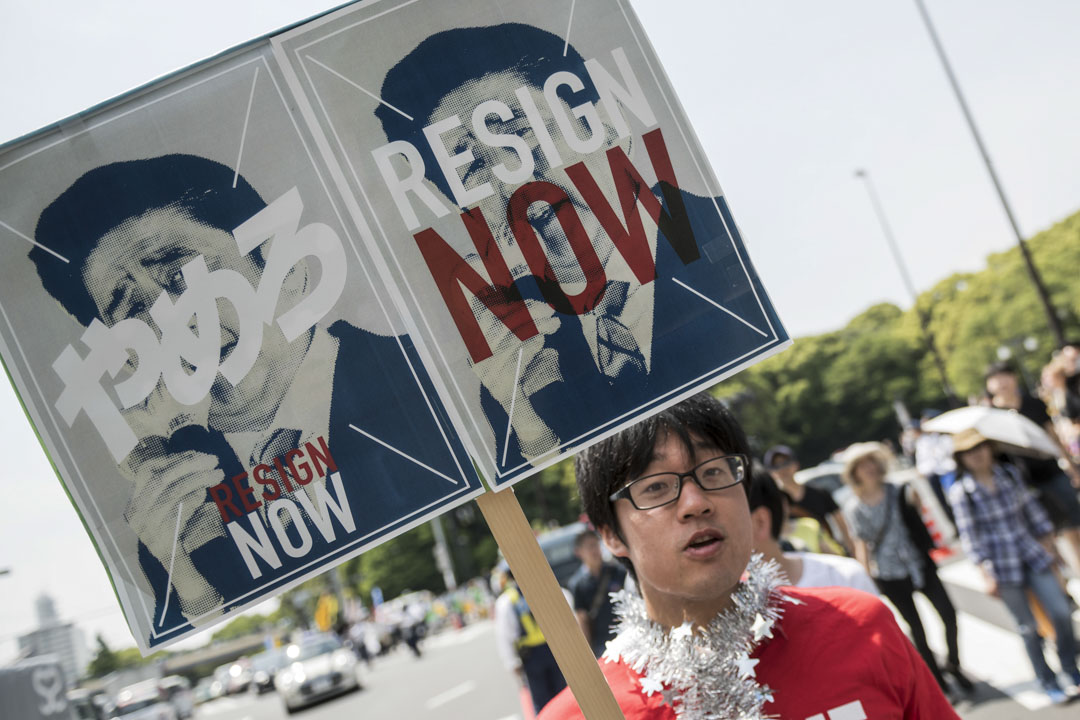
x,y
788,99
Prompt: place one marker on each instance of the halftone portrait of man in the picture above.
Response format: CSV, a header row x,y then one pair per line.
x,y
617,327
259,451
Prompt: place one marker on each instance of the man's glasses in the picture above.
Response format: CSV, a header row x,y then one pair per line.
x,y
652,491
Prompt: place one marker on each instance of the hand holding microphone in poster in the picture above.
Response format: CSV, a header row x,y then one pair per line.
x,y
201,325
170,470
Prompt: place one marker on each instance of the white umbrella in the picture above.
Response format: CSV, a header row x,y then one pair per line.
x,y
1007,428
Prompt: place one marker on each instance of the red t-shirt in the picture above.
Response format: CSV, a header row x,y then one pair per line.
x,y
838,656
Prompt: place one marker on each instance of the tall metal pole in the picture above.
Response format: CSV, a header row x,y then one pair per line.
x,y
924,318
1051,316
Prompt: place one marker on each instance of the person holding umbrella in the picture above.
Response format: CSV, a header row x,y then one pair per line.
x,y
1008,534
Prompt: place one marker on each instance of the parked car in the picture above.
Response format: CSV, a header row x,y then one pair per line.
x,y
88,704
207,689
319,667
178,691
264,666
144,700
558,547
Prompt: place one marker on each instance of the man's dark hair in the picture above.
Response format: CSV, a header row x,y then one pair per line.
x,y
999,368
107,196
763,492
445,61
611,463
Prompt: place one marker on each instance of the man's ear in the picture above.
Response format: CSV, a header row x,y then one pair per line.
x,y
760,525
613,542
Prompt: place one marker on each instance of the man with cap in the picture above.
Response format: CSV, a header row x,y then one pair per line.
x,y
806,501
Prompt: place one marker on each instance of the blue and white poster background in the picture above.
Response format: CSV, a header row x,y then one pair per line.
x,y
205,347
543,207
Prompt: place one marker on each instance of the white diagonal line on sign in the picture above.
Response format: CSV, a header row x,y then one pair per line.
x,y
172,559
370,94
407,457
243,135
34,242
513,400
569,23
719,306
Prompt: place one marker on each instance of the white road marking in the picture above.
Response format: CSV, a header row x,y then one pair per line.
x,y
452,694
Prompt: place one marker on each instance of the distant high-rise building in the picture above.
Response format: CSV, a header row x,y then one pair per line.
x,y
63,640
46,611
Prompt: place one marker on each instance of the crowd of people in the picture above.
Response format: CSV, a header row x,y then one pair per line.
x,y
680,502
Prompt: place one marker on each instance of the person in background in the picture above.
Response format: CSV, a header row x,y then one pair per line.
x,y
1062,402
1010,537
1054,485
668,495
805,501
768,515
889,544
934,461
591,587
521,645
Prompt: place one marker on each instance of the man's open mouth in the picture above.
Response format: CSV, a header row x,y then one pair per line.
x,y
704,541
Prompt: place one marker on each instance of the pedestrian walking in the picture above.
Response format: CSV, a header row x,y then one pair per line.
x,y
591,586
894,546
1008,534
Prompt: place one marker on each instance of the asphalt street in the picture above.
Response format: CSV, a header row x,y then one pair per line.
x,y
459,675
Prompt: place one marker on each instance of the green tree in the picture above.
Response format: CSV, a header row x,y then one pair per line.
x,y
830,390
241,626
103,662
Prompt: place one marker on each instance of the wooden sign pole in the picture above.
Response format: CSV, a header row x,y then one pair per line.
x,y
548,605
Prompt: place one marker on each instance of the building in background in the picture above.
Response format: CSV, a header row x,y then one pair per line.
x,y
63,640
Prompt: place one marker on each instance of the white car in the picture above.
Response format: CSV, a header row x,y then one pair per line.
x,y
178,690
319,666
143,701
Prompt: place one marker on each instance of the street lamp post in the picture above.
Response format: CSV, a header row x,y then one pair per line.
x,y
1044,296
924,318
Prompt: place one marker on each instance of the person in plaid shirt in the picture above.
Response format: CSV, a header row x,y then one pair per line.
x,y
1008,534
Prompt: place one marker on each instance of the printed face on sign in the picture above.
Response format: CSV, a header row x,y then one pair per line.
x,y
506,150
143,257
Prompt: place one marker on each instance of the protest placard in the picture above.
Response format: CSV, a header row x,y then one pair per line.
x,y
548,216
206,349
279,307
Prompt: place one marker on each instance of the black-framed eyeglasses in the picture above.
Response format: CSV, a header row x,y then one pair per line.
x,y
716,473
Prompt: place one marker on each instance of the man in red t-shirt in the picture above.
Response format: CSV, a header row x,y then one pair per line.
x,y
712,631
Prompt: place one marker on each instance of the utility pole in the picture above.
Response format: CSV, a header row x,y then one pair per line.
x,y
924,318
1044,296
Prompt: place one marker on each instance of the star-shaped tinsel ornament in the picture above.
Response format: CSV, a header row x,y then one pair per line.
x,y
650,685
761,628
702,672
683,632
746,664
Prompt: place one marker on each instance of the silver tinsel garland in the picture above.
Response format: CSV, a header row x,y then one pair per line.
x,y
704,673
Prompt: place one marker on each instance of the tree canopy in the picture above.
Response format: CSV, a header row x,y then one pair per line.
x,y
828,391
